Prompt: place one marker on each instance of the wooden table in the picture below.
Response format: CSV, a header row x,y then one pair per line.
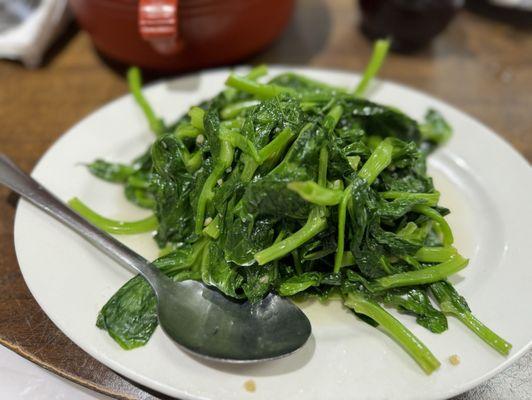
x,y
481,66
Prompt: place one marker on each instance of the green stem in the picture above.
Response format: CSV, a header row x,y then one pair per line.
x,y
342,215
257,72
431,213
273,150
138,182
285,163
250,166
140,197
380,49
240,141
430,198
315,224
373,141
322,166
234,109
435,254
193,161
213,229
322,86
268,155
169,264
260,90
483,332
379,159
232,124
111,172
307,105
110,225
377,162
331,119
297,262
224,161
415,347
166,250
330,122
134,79
186,130
254,74
206,195
425,275
452,303
316,194
196,117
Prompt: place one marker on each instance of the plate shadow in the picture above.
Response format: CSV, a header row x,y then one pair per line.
x,y
283,366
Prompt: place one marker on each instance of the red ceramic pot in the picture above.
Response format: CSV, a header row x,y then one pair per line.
x,y
176,35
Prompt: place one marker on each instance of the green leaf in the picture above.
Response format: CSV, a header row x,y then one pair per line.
x,y
216,271
435,128
111,172
416,301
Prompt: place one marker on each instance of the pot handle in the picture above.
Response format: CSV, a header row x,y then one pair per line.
x,y
158,24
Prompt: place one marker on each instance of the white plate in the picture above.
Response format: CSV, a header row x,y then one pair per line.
x,y
485,183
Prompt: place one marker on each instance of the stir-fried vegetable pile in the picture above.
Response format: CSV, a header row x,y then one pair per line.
x,y
300,188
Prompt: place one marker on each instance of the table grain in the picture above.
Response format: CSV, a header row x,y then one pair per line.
x,y
480,65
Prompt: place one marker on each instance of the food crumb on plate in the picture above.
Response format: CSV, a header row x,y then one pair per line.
x,y
250,385
454,359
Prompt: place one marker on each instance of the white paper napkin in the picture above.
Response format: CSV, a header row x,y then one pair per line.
x,y
29,40
22,380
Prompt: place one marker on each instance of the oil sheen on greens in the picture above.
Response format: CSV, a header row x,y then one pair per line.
x,y
295,187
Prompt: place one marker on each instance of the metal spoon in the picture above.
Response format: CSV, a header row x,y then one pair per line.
x,y
199,319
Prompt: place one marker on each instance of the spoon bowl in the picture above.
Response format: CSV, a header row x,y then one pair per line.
x,y
198,318
223,329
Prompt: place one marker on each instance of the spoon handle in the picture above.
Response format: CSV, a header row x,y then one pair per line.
x,y
20,182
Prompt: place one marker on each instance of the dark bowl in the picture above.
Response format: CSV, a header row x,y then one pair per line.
x,y
410,24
